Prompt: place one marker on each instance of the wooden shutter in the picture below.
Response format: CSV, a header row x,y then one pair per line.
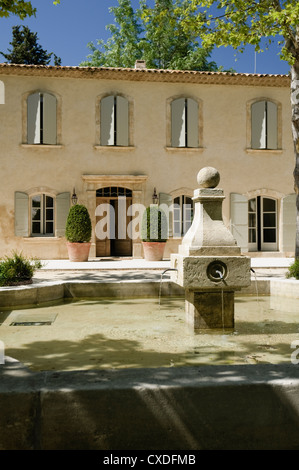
x,y
21,214
107,120
258,125
165,203
178,123
49,119
122,121
192,123
62,210
239,219
33,119
289,213
271,125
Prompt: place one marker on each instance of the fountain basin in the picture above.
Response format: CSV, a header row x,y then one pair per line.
x,y
214,407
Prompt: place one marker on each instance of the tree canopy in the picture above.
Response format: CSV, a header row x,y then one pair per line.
x,y
21,8
239,22
156,35
26,50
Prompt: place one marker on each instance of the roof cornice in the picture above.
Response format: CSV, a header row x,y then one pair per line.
x,y
147,75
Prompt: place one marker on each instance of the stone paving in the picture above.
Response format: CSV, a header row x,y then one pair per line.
x,y
138,269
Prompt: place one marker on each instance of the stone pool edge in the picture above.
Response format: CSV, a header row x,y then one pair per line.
x,y
39,292
245,407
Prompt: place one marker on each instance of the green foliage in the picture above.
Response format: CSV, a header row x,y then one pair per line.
x,y
155,35
26,50
78,225
16,270
20,8
293,270
122,48
239,22
154,226
166,44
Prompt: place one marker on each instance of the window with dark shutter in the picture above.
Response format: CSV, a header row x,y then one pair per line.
x,y
41,119
264,125
114,121
184,123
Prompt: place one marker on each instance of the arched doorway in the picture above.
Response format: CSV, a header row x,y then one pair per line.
x,y
113,237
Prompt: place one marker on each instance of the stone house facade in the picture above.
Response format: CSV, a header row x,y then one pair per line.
x,y
115,137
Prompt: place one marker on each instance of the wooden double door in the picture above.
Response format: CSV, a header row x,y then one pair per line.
x,y
113,235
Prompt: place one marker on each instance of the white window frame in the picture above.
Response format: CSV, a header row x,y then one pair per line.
x,y
43,219
259,228
182,215
23,214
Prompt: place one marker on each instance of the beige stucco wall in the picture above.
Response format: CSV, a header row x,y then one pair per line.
x,y
60,168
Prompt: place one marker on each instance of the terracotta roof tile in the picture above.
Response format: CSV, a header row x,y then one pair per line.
x,y
143,74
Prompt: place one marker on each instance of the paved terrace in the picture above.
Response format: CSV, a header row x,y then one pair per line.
x,y
106,269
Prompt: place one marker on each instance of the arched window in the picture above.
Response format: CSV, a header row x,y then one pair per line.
x,y
184,123
114,117
41,119
179,210
41,215
182,215
264,121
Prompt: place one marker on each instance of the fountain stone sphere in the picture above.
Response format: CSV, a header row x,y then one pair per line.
x,y
208,177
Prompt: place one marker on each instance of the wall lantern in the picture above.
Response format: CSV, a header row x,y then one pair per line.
x,y
155,197
74,197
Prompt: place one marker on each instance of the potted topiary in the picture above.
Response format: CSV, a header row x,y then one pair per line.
x,y
154,233
78,233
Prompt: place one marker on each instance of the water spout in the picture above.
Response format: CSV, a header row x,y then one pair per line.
x,y
256,286
168,269
162,274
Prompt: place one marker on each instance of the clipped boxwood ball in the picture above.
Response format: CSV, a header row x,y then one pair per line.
x,y
154,227
78,225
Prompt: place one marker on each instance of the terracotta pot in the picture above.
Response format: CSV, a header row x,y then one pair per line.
x,y
153,251
78,251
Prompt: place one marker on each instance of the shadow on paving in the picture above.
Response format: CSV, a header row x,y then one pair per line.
x,y
99,276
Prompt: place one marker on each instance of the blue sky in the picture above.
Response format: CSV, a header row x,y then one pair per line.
x,y
66,29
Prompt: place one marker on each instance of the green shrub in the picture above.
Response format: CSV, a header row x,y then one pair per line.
x,y
154,226
294,270
17,270
78,225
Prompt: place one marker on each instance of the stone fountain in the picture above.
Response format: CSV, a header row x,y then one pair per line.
x,y
209,264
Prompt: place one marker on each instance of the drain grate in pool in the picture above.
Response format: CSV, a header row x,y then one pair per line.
x,y
31,323
33,320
